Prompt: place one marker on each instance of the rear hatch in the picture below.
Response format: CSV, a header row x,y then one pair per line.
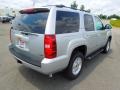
x,y
27,34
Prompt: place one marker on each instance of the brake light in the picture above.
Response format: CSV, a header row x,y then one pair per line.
x,y
50,48
27,10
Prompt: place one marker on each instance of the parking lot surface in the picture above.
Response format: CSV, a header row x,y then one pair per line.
x,y
100,73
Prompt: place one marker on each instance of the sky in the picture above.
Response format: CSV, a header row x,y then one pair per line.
x,y
106,7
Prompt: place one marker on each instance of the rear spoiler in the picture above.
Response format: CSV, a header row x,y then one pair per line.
x,y
33,10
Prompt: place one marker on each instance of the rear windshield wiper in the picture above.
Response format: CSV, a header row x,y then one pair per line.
x,y
28,33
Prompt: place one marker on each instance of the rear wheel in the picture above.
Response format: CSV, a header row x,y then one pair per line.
x,y
74,68
3,21
107,46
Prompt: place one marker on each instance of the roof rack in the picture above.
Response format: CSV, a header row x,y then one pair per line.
x,y
56,5
61,6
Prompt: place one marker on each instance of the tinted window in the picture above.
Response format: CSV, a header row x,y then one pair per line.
x,y
34,23
98,24
67,22
88,22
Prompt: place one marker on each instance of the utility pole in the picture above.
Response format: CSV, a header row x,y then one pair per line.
x,y
34,2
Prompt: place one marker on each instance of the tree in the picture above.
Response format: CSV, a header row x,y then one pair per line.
x,y
114,16
103,16
74,5
82,8
34,2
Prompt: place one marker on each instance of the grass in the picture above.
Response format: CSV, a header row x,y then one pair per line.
x,y
115,23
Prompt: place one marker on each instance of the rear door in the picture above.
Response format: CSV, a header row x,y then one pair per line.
x,y
90,33
28,33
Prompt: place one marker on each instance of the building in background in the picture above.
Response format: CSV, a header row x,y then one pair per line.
x,y
1,12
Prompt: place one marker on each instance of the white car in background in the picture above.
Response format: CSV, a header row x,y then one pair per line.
x,y
4,19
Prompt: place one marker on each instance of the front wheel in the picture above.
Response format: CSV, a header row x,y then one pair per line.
x,y
74,68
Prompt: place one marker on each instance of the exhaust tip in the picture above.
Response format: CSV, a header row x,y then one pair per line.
x,y
18,61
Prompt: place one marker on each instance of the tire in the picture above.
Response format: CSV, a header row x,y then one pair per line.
x,y
76,61
107,46
3,22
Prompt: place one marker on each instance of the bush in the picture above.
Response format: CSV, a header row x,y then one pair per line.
x,y
115,23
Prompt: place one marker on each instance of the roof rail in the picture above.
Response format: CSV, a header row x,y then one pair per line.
x,y
61,6
55,5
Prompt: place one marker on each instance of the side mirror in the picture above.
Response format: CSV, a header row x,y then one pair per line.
x,y
108,26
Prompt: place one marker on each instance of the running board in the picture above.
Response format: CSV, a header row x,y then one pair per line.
x,y
89,57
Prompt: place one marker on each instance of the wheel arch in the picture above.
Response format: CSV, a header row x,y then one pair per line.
x,y
110,38
82,49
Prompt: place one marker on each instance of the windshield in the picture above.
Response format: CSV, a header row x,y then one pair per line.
x,y
33,23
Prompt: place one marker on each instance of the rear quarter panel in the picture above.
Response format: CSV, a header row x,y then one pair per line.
x,y
66,43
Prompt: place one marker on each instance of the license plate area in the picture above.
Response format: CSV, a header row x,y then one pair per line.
x,y
22,44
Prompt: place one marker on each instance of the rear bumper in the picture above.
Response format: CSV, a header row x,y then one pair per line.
x,y
48,66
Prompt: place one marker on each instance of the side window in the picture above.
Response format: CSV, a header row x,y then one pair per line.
x,y
67,22
88,22
98,24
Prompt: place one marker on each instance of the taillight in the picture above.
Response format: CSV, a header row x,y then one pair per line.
x,y
28,10
50,48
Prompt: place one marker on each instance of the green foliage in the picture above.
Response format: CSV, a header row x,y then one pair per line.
x,y
102,16
82,8
115,23
114,16
74,5
109,17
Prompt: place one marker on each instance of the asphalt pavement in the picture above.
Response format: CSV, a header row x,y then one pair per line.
x,y
100,73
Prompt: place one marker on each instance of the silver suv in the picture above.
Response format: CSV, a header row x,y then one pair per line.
x,y
56,38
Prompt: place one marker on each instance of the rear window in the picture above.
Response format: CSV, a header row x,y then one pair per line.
x,y
32,22
67,22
